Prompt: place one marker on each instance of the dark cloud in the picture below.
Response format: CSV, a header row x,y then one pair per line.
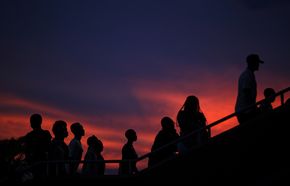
x,y
88,57
261,4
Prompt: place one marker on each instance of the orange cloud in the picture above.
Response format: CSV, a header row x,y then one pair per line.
x,y
156,100
168,103
17,124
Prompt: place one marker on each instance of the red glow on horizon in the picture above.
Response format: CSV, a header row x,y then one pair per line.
x,y
155,102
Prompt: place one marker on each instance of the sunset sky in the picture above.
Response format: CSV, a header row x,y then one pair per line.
x,y
114,65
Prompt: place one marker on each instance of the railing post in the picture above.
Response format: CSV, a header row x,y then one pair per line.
x,y
130,167
282,99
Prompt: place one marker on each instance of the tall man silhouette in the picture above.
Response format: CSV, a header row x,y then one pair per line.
x,y
247,89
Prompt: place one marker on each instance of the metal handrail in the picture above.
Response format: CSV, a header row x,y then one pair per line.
x,y
180,139
280,93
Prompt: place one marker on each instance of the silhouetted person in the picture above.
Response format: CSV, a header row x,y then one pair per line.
x,y
247,89
166,135
36,144
58,149
266,105
75,146
190,118
94,152
129,153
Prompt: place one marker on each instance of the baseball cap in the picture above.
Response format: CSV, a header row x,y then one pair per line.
x,y
254,58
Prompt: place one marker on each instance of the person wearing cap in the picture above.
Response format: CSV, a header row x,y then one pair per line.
x,y
247,89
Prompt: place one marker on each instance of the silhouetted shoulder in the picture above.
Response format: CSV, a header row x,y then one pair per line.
x,y
37,140
39,133
129,152
47,134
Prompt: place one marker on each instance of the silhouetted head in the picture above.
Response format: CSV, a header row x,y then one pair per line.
x,y
95,143
77,129
131,135
191,104
269,94
59,129
167,123
92,140
35,121
253,61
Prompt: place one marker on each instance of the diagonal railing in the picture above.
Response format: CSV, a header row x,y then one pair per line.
x,y
280,94
208,127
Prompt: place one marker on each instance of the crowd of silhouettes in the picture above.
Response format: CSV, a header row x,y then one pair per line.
x,y
65,159
39,145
